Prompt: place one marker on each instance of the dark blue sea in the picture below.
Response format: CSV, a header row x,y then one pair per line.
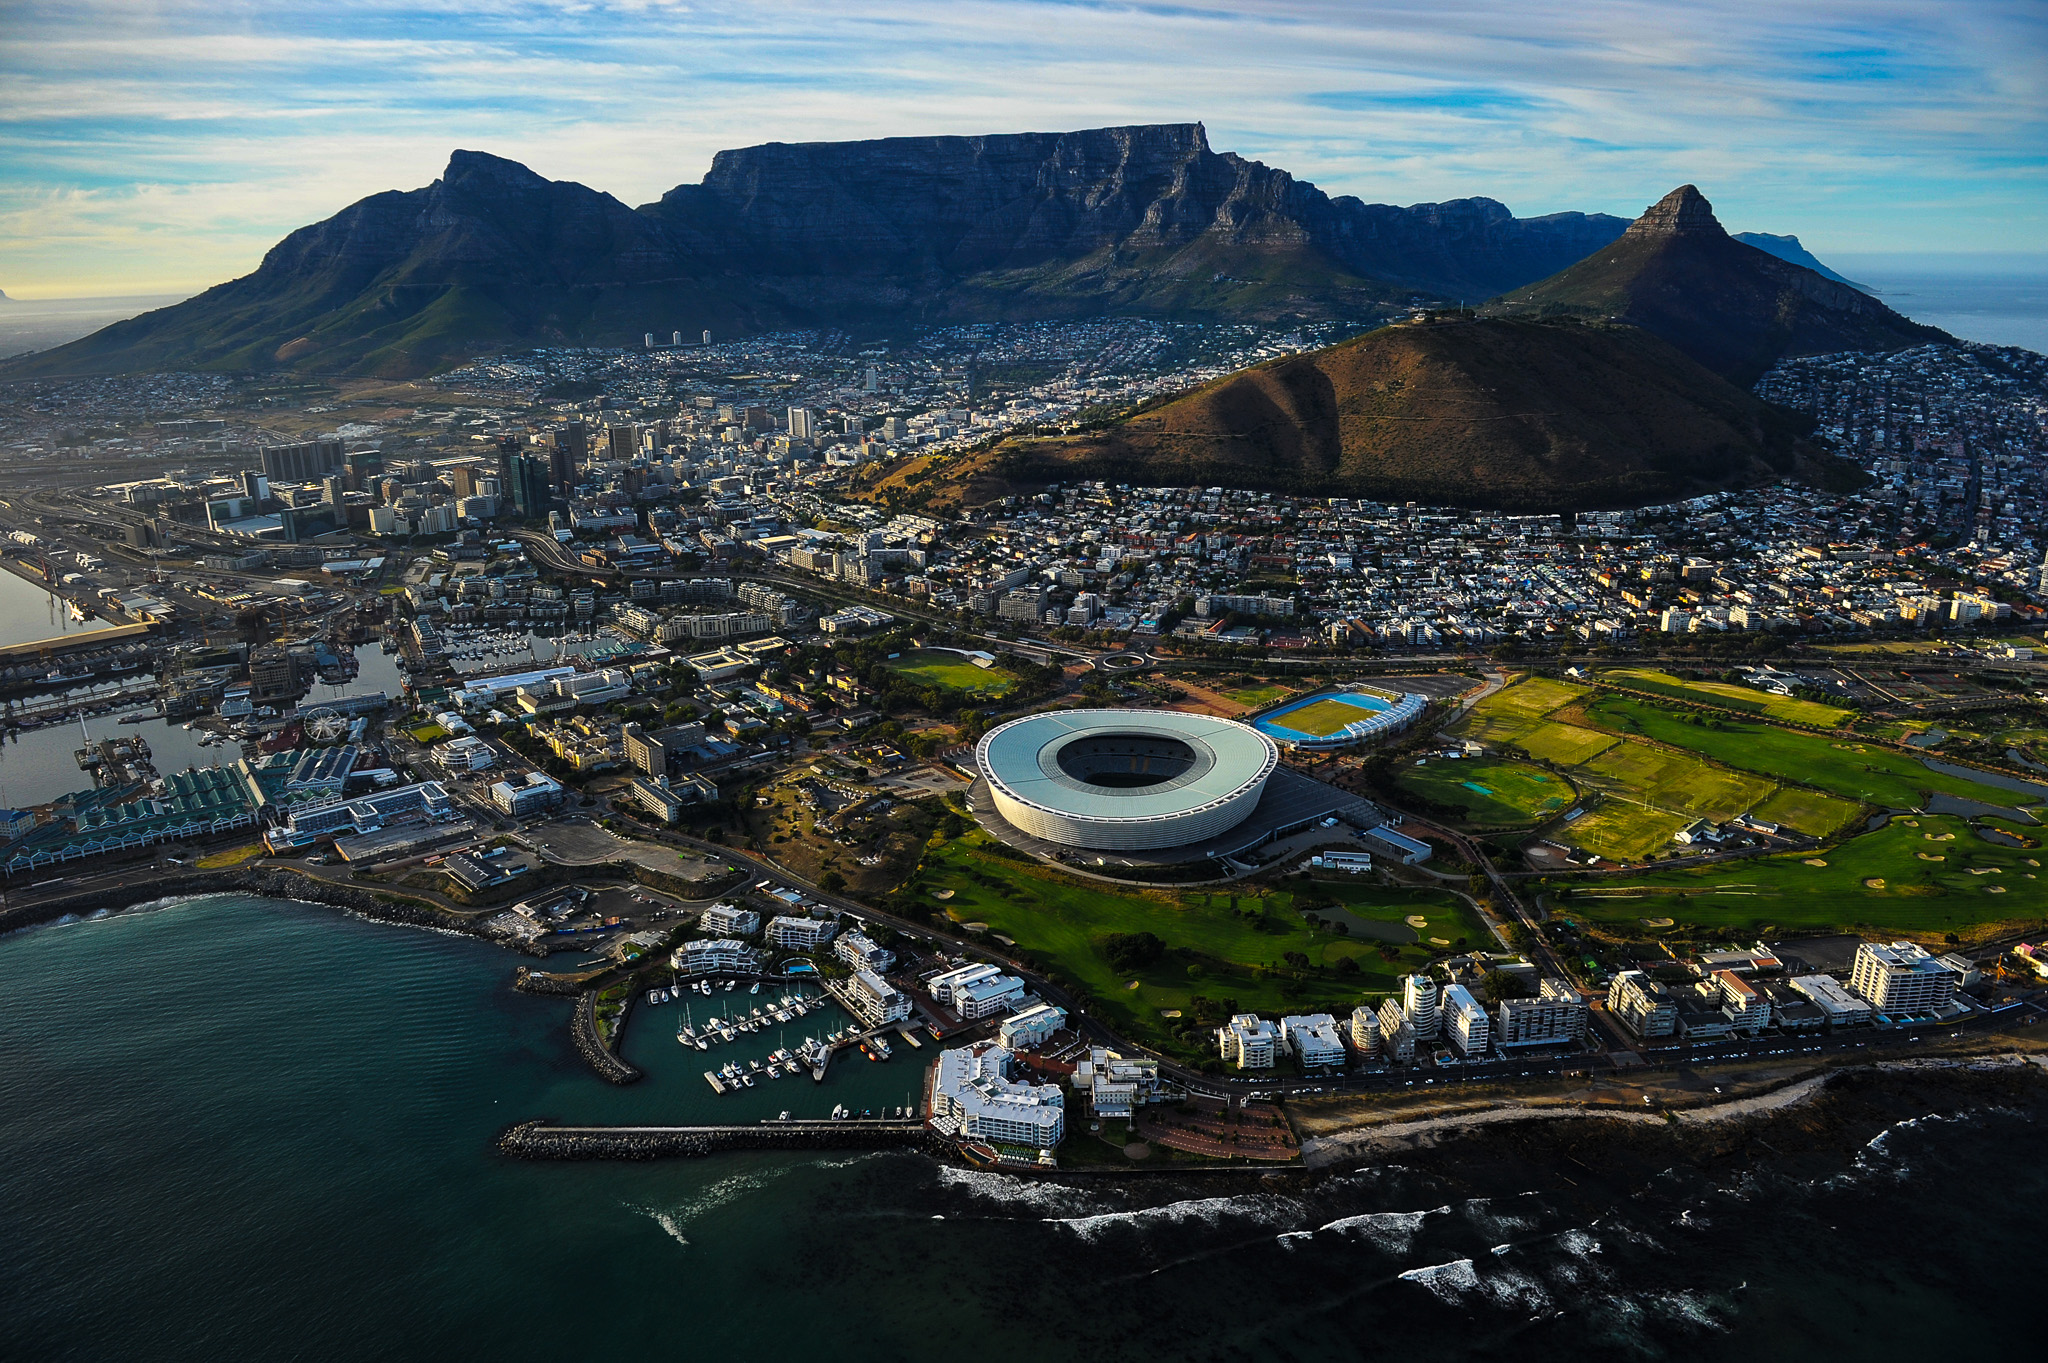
x,y
236,1128
2000,299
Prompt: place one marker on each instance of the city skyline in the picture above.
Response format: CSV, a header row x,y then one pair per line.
x,y
165,148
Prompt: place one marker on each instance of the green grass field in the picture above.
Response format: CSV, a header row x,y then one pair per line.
x,y
1565,744
1787,709
1621,830
1223,952
1865,772
1923,875
1678,781
951,672
1319,719
1513,793
1808,811
1252,697
1531,698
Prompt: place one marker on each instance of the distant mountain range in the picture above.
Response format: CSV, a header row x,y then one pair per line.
x,y
1140,220
1788,248
1676,273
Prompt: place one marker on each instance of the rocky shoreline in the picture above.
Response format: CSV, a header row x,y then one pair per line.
x,y
589,1045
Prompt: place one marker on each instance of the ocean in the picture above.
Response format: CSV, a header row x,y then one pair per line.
x,y
241,1128
2000,299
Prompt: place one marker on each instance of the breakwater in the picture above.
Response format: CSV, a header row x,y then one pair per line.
x,y
538,1140
527,980
589,1045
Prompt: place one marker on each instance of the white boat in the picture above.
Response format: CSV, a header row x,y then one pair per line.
x,y
756,989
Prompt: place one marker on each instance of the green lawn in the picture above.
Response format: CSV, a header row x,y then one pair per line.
x,y
1320,719
1565,744
1532,697
1492,790
1808,811
1252,697
1865,772
1214,950
1727,695
951,672
1622,830
1679,781
1923,875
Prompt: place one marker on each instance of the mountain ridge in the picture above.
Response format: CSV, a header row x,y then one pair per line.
x,y
1014,226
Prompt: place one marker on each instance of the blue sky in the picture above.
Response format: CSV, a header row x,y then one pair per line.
x,y
151,145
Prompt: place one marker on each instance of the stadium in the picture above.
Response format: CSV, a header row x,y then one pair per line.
x,y
1124,780
1336,719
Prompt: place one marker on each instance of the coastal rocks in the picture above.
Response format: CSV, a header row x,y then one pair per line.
x,y
589,1045
527,980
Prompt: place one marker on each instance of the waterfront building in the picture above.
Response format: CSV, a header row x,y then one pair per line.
x,y
1837,1005
1397,1034
1248,1041
1746,1007
1312,1038
1465,1022
1555,1017
858,950
1116,1084
92,823
1642,1005
986,997
730,920
709,955
1903,979
800,934
1032,1027
875,1000
364,813
941,986
974,1098
1419,1005
465,754
1365,1031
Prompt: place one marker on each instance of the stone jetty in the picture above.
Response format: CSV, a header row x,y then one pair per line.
x,y
542,1140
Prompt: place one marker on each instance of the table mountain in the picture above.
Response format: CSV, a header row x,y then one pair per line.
x,y
1732,307
1140,220
1509,413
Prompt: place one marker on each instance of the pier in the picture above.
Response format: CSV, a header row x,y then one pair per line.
x,y
542,1140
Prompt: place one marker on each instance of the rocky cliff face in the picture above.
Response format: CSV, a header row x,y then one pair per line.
x,y
1144,220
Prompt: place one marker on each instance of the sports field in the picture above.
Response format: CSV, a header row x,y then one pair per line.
x,y
1788,709
1509,714
1867,772
1321,716
1808,811
1565,744
1922,874
1621,830
951,672
1679,781
1493,791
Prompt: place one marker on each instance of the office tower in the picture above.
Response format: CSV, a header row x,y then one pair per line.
x,y
800,423
301,462
464,482
332,488
532,492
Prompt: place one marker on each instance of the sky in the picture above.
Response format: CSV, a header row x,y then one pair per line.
x,y
152,146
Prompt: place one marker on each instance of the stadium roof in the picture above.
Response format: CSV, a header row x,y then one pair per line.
x,y
1022,758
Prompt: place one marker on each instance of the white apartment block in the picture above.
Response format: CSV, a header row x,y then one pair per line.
x,y
1248,1041
1365,1030
876,1000
1901,978
975,1099
1745,1006
858,950
1555,1017
1313,1038
730,920
708,954
1465,1022
1419,1004
1644,1006
985,998
1032,1027
1397,1034
800,934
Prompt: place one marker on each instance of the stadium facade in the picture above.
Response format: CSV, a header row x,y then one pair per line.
x,y
1377,717
1125,780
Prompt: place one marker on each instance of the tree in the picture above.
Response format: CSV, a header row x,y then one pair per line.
x,y
1129,952
1297,959
831,882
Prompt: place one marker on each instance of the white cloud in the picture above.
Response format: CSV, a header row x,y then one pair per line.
x,y
144,143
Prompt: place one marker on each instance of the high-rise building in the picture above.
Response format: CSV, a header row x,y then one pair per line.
x,y
646,752
1419,1005
464,482
800,423
332,488
623,441
255,486
1465,1022
1644,1006
302,462
532,492
571,451
1902,978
